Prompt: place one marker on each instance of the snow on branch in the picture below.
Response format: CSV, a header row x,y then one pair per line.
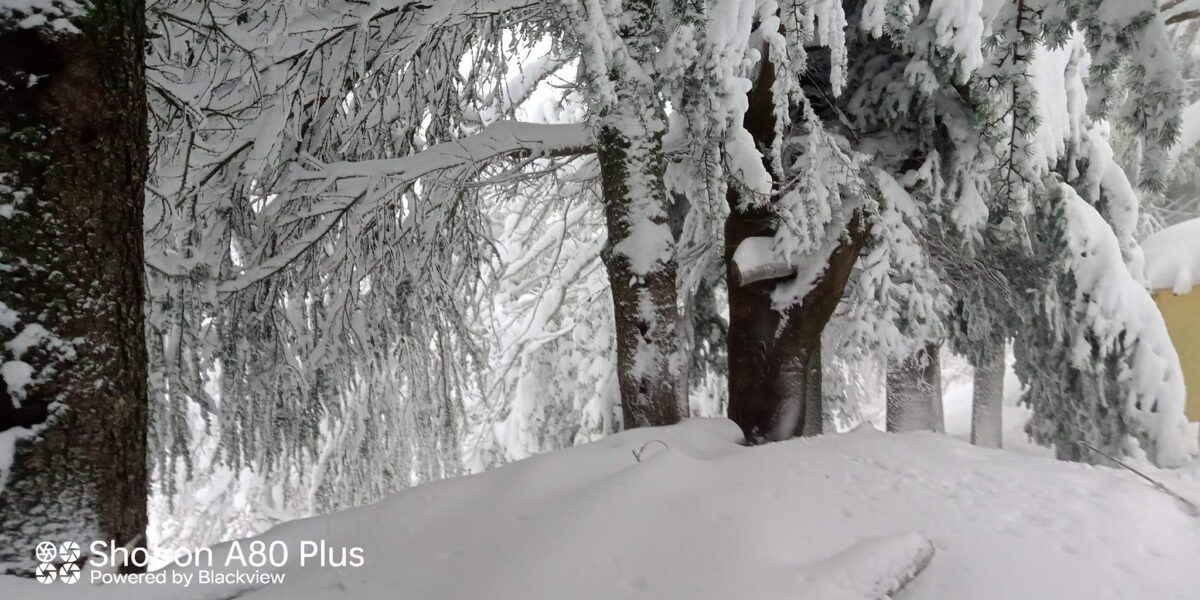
x,y
500,139
1123,321
755,260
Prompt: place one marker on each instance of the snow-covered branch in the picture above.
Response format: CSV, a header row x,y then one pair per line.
x,y
500,139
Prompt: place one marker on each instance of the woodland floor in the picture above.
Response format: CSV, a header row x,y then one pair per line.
x,y
701,517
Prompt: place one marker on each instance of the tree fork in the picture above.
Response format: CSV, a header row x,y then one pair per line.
x,y
774,357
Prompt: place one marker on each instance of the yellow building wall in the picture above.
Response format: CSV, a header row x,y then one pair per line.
x,y
1182,314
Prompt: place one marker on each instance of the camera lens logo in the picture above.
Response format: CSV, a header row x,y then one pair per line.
x,y
68,552
46,573
69,572
57,562
46,552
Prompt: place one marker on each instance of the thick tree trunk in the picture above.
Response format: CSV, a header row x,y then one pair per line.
x,y
640,258
987,402
913,390
773,354
640,253
774,357
72,168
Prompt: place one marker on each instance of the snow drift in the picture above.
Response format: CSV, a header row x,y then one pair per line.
x,y
699,516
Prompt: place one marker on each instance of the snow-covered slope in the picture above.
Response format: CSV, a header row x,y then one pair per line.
x,y
700,517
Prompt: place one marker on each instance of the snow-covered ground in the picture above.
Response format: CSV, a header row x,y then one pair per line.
x,y
700,517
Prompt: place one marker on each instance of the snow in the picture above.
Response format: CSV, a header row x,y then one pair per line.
x,y
16,374
702,517
648,244
829,29
1123,318
31,335
754,252
31,14
1063,113
745,161
1173,257
1189,133
959,26
8,449
8,317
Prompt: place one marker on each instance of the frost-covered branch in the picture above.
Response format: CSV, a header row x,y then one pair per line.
x,y
498,140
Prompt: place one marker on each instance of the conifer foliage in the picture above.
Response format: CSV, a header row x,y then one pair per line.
x,y
378,231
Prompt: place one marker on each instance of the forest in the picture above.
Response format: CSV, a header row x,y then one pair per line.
x,y
599,299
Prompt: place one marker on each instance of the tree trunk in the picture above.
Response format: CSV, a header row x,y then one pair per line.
x,y
643,286
934,388
987,402
814,399
72,168
772,354
913,389
640,253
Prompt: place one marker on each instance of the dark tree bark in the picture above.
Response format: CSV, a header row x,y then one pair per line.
x,y
640,253
649,365
72,168
772,354
814,399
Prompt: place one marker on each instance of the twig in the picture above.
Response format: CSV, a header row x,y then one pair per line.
x,y
1193,510
637,454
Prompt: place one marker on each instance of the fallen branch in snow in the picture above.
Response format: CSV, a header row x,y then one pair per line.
x,y
637,454
1192,509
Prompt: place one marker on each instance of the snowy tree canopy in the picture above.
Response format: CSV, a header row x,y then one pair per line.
x,y
376,232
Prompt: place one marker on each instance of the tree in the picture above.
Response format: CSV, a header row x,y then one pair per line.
x,y
913,391
1094,354
317,235
775,353
1181,198
73,359
626,104
333,270
942,127
988,398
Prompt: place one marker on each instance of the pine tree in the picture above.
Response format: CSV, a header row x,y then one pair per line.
x,y
342,271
